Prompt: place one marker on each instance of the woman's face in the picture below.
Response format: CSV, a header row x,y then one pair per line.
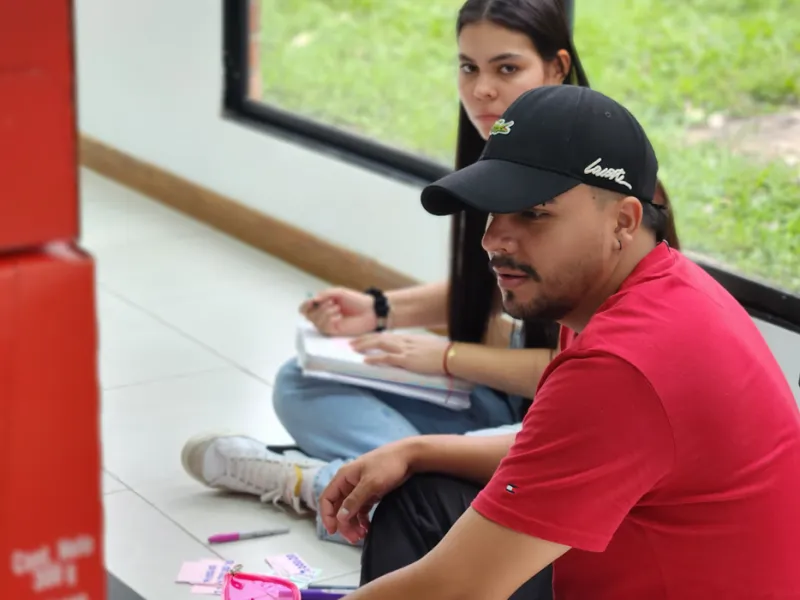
x,y
496,65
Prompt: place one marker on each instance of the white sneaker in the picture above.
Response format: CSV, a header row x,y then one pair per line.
x,y
243,464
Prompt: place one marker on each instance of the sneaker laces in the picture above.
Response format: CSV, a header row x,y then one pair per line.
x,y
290,494
250,470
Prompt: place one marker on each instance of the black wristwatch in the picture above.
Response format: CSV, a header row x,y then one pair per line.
x,y
381,308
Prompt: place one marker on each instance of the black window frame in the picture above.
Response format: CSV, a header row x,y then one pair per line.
x,y
760,299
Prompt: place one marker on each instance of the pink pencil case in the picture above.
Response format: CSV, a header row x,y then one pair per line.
x,y
247,586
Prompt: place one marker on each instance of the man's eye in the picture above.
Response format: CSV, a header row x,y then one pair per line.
x,y
532,215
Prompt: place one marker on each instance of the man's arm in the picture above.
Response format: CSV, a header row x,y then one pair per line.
x,y
476,559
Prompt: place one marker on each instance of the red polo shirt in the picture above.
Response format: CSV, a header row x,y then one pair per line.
x,y
663,447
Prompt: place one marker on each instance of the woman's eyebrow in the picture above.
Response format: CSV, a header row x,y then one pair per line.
x,y
499,57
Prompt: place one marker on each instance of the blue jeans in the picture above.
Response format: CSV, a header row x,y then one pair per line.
x,y
336,422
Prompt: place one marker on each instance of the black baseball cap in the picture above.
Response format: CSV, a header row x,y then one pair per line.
x,y
550,140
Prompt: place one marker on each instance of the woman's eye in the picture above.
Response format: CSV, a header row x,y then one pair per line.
x,y
508,69
467,68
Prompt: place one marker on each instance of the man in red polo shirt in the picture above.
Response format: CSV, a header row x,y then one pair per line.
x,y
661,456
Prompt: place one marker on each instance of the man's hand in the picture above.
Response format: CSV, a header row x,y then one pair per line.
x,y
422,354
340,311
347,501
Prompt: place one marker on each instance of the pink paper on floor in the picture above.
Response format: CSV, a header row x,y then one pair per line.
x,y
208,572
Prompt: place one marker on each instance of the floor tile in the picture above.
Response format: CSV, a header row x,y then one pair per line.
x,y
180,267
136,348
111,484
231,298
350,579
144,427
204,512
119,590
145,549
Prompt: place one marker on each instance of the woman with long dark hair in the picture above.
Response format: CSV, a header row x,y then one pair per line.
x,y
505,47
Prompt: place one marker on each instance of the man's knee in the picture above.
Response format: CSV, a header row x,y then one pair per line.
x,y
429,503
411,520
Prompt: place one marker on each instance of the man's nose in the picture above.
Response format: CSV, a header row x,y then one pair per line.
x,y
499,235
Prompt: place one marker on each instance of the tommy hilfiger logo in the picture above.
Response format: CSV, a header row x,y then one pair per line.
x,y
510,488
617,175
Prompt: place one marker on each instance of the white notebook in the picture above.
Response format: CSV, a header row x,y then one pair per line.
x,y
332,358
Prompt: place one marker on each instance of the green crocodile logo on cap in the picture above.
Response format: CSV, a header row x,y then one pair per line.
x,y
501,127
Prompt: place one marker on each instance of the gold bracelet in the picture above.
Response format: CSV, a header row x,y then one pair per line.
x,y
449,354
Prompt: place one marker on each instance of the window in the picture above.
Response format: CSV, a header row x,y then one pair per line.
x,y
716,84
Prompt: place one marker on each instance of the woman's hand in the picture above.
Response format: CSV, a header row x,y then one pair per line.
x,y
340,311
345,504
422,354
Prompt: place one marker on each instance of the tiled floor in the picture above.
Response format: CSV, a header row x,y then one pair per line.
x,y
193,326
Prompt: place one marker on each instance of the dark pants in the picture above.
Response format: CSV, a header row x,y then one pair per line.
x,y
411,520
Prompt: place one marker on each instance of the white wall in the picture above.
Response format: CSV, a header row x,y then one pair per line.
x,y
150,83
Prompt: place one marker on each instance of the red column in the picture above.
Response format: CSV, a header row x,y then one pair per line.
x,y
51,536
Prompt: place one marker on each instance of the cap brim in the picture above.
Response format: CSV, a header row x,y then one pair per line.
x,y
494,186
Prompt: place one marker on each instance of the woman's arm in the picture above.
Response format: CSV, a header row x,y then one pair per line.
x,y
418,306
511,370
514,371
467,457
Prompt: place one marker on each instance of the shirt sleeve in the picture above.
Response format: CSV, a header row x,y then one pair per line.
x,y
594,442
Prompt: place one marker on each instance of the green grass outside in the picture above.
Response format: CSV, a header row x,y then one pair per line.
x,y
386,69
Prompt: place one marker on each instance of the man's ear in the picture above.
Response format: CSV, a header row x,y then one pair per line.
x,y
629,219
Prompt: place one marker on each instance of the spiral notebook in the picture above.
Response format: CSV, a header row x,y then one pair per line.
x,y
332,358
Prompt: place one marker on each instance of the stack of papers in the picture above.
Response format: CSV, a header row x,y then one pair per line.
x,y
332,358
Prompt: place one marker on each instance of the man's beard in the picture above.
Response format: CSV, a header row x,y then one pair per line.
x,y
541,308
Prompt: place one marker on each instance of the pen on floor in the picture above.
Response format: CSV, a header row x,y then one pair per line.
x,y
338,588
222,538
317,594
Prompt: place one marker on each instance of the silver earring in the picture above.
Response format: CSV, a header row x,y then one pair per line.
x,y
620,244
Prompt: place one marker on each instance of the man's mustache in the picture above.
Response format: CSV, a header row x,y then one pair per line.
x,y
506,262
